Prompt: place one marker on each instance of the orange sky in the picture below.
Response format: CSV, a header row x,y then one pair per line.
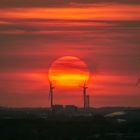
x,y
104,12
104,35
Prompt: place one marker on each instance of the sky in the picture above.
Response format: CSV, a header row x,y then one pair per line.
x,y
104,34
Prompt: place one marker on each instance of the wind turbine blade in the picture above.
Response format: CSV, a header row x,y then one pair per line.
x,y
138,82
49,96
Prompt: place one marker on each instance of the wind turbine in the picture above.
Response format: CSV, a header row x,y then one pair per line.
x,y
51,94
84,94
87,101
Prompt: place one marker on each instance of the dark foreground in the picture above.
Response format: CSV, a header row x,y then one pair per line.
x,y
93,129
17,125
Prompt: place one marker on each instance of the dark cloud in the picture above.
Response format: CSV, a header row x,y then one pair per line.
x,y
60,3
36,25
110,50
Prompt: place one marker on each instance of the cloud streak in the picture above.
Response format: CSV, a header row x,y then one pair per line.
x,y
61,3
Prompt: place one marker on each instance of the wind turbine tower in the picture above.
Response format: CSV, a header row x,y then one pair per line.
x,y
51,94
87,101
84,95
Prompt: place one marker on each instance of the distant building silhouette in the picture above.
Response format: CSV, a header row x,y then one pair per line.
x,y
57,108
70,108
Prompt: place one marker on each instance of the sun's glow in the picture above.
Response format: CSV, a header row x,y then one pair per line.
x,y
68,71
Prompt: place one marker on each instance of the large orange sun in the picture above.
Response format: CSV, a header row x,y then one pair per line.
x,y
68,71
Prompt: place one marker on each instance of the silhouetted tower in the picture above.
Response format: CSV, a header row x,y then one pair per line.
x,y
51,94
87,101
84,94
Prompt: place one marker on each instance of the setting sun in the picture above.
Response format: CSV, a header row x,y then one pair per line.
x,y
68,71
